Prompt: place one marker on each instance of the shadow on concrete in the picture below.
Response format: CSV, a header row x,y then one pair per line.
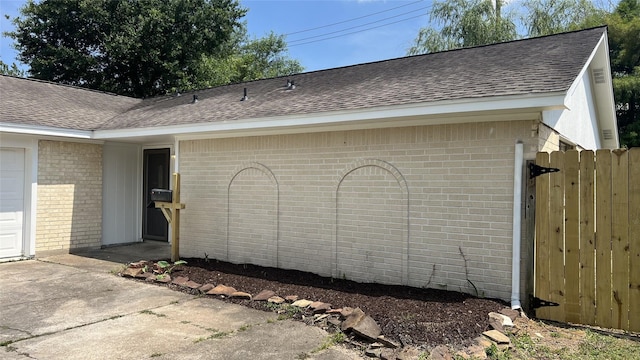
x,y
122,254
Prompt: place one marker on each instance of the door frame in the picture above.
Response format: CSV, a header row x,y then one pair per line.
x,y
143,178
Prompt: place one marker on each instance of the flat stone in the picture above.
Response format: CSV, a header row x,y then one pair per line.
x,y
388,342
367,328
497,336
387,354
355,316
291,298
496,324
334,311
503,319
408,353
302,303
206,287
482,341
192,284
319,307
335,322
222,290
264,295
346,311
180,280
240,295
132,272
440,352
476,352
511,313
164,278
275,300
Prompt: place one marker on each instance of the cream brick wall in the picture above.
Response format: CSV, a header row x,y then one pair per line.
x,y
387,205
69,214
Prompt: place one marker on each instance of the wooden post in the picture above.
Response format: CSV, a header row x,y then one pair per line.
x,y
171,211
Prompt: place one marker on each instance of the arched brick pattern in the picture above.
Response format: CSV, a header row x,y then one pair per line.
x,y
252,217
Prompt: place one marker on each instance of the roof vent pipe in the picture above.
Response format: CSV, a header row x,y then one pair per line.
x,y
195,98
245,97
290,85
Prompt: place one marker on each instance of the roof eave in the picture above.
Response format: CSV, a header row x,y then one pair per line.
x,y
511,107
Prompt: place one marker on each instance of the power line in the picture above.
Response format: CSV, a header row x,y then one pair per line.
x,y
353,19
355,32
359,26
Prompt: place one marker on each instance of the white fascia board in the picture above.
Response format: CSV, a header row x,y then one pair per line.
x,y
45,131
443,109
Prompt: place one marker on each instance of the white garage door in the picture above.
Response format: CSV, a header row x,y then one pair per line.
x,y
11,201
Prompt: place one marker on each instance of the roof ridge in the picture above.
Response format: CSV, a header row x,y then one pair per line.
x,y
69,86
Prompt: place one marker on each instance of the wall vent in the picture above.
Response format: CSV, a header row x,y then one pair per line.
x,y
598,76
607,134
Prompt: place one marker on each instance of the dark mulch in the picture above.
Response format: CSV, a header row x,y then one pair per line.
x,y
412,316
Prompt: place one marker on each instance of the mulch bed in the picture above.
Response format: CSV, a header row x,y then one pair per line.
x,y
412,316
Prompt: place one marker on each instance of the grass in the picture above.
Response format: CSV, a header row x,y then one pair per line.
x,y
594,345
331,340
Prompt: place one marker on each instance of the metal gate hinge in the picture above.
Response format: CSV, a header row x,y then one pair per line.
x,y
536,303
537,170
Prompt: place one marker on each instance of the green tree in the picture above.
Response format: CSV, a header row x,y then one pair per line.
x,y
12,70
250,59
137,48
465,23
546,17
624,47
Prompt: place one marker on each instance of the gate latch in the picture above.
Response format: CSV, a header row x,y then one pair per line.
x,y
537,170
536,303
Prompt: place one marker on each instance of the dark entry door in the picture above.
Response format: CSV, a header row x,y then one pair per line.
x,y
156,176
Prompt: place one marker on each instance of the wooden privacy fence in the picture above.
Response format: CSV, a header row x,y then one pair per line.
x,y
587,246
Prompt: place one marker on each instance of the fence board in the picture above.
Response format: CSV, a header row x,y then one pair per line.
x,y
620,238
556,237
587,239
634,237
571,237
603,238
541,286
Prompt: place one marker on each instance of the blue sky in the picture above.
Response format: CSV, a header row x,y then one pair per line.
x,y
361,43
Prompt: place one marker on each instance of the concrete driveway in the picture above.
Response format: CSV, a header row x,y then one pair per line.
x,y
55,308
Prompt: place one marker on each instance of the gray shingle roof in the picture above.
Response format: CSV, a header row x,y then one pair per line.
x,y
532,66
40,103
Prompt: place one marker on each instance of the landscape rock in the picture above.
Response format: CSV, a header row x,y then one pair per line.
x,y
496,325
319,307
302,303
346,311
367,328
240,295
164,278
497,337
222,290
482,342
511,313
440,352
180,280
475,352
408,353
275,300
192,284
291,298
387,354
502,319
335,322
387,342
264,295
206,287
354,317
373,352
132,272
138,264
